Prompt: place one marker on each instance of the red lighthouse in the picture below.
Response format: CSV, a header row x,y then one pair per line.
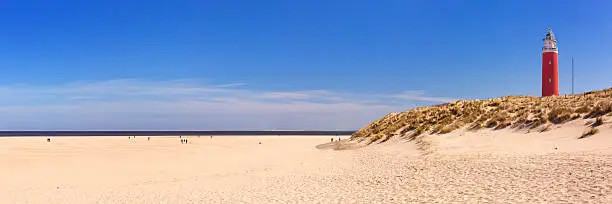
x,y
550,68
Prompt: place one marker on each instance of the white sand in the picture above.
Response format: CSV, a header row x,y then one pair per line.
x,y
517,168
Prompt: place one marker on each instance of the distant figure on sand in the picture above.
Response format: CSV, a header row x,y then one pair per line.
x,y
148,138
48,139
332,139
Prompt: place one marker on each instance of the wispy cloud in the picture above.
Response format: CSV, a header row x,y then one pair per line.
x,y
421,96
231,85
186,104
297,94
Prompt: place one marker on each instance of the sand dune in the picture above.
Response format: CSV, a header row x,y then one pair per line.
x,y
294,170
509,112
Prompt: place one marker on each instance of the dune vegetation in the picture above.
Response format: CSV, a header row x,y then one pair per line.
x,y
518,112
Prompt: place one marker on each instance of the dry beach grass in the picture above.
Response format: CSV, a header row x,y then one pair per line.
x,y
517,112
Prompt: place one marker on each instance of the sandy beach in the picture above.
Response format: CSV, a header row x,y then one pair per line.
x,y
551,168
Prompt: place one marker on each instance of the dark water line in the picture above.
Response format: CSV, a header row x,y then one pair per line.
x,y
165,133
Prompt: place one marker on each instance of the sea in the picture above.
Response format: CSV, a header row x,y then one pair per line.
x,y
169,133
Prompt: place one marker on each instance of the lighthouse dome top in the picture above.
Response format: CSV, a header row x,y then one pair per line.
x,y
550,35
550,42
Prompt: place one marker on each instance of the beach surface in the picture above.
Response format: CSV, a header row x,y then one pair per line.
x,y
485,166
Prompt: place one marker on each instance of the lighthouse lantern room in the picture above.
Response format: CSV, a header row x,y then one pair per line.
x,y
550,68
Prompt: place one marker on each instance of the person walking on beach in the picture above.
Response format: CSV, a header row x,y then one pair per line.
x,y
148,138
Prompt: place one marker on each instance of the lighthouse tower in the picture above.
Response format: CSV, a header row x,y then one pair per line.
x,y
550,68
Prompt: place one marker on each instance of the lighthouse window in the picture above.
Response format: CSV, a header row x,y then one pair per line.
x,y
549,80
549,62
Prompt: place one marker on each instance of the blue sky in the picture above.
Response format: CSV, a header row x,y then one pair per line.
x,y
230,64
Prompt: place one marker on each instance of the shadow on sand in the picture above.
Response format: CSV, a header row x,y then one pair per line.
x,y
341,145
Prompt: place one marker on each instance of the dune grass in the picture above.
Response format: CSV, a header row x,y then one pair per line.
x,y
518,112
588,133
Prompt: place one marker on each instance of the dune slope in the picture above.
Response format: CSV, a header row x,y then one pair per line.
x,y
511,112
